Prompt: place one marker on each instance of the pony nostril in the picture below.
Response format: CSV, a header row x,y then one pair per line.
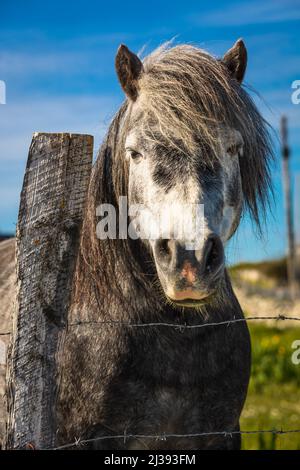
x,y
163,247
163,251
214,254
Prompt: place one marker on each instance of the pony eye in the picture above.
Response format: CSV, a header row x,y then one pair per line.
x,y
133,155
233,149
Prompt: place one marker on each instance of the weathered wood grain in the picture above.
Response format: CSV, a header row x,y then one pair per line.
x,y
51,208
7,297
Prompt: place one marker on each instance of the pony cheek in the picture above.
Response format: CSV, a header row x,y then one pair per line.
x,y
227,223
135,192
138,183
230,221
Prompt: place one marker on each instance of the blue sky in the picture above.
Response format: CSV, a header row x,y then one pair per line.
x,y
57,60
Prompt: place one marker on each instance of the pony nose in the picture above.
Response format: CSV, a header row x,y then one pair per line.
x,y
171,255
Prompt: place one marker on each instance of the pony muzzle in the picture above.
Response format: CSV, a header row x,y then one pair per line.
x,y
189,276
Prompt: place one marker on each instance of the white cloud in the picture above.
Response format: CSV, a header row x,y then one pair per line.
x,y
83,114
277,103
92,54
26,64
251,12
18,121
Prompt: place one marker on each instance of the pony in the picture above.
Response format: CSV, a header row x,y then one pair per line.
x,y
188,133
149,348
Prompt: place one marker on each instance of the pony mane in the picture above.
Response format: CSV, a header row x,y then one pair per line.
x,y
188,93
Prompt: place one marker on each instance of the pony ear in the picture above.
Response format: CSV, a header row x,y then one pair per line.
x,y
236,60
129,68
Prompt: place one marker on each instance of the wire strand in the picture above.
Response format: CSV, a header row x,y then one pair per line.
x,y
182,325
164,437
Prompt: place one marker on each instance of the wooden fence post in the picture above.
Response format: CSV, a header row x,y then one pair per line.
x,y
50,215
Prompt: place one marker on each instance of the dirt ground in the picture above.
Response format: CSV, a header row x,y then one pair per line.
x,y
257,302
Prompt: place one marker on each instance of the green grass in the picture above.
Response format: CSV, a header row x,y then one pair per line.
x,y
273,400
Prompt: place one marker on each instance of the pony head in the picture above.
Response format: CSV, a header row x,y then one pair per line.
x,y
195,148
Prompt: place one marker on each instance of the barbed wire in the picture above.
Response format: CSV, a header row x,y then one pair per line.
x,y
182,325
80,442
163,437
176,325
